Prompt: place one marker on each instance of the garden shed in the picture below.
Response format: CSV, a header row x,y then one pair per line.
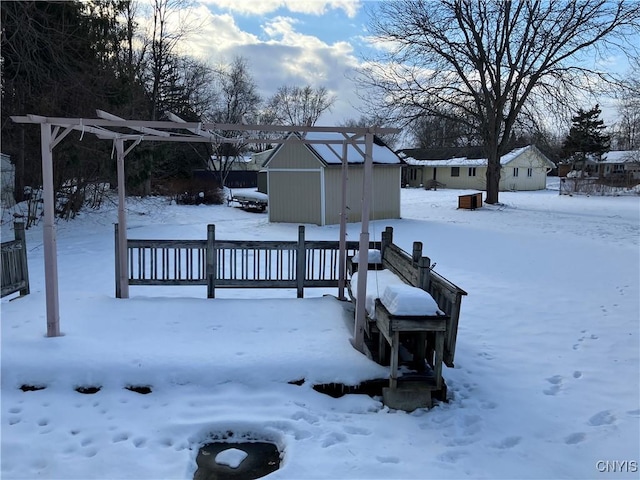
x,y
524,168
304,180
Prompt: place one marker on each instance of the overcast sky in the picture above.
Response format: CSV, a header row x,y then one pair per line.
x,y
297,43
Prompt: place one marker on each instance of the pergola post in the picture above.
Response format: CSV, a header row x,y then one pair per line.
x,y
363,254
342,257
49,234
122,221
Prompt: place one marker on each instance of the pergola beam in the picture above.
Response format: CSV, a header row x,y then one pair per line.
x,y
160,124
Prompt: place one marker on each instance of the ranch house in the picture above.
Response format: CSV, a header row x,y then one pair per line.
x,y
524,168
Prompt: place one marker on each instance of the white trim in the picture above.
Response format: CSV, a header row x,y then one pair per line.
x,y
294,169
268,193
323,199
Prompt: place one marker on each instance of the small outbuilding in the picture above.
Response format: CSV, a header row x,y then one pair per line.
x,y
524,168
304,181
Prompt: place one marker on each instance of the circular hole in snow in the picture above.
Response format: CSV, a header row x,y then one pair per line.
x,y
236,461
88,390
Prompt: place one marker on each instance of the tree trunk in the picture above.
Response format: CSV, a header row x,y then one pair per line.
x,y
493,177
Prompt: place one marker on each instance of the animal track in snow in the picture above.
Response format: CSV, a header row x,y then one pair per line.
x,y
602,418
333,439
508,442
388,459
120,437
139,442
575,438
556,383
577,374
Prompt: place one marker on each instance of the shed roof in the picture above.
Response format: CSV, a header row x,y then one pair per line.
x,y
331,154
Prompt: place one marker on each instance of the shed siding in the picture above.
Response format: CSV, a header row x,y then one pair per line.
x,y
385,198
294,154
295,196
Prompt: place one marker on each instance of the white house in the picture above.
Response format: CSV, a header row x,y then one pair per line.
x,y
524,168
616,163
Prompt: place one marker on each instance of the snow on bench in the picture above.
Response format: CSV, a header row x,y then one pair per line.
x,y
398,297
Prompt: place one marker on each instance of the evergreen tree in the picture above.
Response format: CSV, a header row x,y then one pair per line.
x,y
587,137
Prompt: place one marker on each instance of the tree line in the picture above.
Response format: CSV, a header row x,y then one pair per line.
x,y
67,59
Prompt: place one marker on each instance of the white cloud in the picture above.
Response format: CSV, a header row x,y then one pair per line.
x,y
281,55
310,7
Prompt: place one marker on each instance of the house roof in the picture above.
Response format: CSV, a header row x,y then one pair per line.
x,y
477,162
439,153
331,154
619,156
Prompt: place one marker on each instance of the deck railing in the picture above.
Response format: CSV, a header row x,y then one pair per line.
x,y
15,274
234,263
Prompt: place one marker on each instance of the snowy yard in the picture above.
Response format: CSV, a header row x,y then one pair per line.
x,y
547,360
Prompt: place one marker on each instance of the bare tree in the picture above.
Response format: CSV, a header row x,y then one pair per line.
x,y
485,61
627,131
389,139
239,102
300,105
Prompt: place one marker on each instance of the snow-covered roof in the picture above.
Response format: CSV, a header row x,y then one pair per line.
x,y
468,162
621,156
331,154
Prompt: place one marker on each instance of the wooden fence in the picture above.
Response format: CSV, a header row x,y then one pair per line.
x,y
234,263
15,273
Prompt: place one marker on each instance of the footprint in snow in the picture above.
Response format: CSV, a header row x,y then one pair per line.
x,y
508,442
575,438
602,418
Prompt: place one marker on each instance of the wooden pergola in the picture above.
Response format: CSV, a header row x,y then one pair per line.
x,y
119,130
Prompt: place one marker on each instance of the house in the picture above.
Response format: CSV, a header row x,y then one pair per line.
x,y
8,172
524,168
304,181
617,163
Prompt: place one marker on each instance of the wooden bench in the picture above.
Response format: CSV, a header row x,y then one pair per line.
x,y
433,337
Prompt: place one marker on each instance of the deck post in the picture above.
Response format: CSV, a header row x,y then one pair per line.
x,y
386,240
49,234
211,266
18,231
117,256
417,252
342,256
300,262
367,195
123,270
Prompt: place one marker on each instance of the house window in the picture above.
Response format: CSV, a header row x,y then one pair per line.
x,y
472,171
413,173
515,171
529,172
455,171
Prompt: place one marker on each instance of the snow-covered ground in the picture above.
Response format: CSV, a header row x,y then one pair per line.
x,y
546,383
